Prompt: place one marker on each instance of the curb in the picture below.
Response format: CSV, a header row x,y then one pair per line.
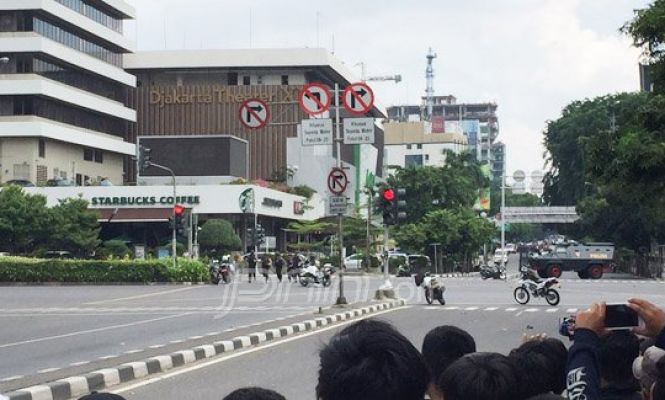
x,y
77,386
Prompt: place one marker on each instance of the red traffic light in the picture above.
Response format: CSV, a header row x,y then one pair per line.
x,y
178,210
388,194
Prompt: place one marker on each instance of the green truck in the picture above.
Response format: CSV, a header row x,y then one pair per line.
x,y
590,260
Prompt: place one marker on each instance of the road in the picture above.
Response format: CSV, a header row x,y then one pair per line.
x,y
48,333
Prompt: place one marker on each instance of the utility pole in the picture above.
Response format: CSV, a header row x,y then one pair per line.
x,y
503,206
370,195
174,255
436,259
338,161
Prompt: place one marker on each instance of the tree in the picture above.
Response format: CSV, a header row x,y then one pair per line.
x,y
355,234
76,228
647,30
430,188
24,220
116,248
218,237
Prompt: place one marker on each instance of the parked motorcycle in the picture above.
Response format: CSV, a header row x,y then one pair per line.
x,y
531,285
433,290
492,272
311,275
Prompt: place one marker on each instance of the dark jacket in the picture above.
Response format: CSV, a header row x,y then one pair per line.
x,y
628,391
583,380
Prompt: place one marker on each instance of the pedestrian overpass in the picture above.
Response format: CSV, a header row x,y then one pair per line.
x,y
539,215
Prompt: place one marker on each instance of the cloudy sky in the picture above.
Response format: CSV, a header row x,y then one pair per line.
x,y
532,57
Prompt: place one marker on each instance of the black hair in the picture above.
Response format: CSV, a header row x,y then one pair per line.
x,y
616,354
371,360
444,345
254,393
542,364
481,376
101,396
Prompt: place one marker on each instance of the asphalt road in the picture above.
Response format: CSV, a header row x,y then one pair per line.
x,y
482,308
48,333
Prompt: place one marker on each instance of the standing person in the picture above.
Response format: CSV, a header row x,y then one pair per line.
x,y
279,264
293,268
266,263
251,263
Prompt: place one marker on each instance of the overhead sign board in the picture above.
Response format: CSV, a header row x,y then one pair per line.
x,y
337,205
315,98
358,98
358,130
337,181
254,113
316,132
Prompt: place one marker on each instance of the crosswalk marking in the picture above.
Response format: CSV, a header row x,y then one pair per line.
x,y
552,310
511,309
491,308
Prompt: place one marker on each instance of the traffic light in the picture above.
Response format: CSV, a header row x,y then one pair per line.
x,y
399,205
145,158
179,213
386,202
392,203
256,235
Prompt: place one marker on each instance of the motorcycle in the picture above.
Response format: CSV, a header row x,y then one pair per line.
x,y
312,275
433,290
220,272
492,272
531,285
403,270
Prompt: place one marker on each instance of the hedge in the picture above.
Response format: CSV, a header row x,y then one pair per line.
x,y
30,270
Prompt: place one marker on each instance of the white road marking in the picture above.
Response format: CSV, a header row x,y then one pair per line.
x,y
143,296
11,378
195,337
134,351
176,341
78,333
552,310
47,370
108,357
451,308
78,364
244,352
532,310
571,310
156,346
511,309
213,333
491,308
471,309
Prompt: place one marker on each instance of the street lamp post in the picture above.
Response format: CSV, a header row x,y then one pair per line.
x,y
436,259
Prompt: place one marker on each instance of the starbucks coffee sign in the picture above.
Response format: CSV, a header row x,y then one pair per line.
x,y
144,200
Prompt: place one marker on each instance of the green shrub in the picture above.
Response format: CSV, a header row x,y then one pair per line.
x,y
116,248
17,269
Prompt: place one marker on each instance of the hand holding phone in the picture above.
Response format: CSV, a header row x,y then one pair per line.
x,y
620,317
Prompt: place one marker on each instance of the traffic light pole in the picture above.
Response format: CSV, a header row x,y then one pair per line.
x,y
174,255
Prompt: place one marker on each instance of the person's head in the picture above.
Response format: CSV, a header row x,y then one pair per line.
x,y
371,360
100,396
254,393
481,376
543,366
649,368
443,345
617,352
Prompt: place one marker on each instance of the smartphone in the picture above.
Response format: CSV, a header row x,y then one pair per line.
x,y
620,316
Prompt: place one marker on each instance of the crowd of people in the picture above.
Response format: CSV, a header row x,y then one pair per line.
x,y
371,360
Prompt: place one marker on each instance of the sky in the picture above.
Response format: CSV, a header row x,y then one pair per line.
x,y
531,57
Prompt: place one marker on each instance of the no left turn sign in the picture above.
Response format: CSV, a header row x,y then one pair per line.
x,y
254,113
315,98
358,98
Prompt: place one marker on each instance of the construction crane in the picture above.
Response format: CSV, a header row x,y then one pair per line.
x,y
363,75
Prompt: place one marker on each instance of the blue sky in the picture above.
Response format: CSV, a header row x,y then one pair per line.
x,y
532,57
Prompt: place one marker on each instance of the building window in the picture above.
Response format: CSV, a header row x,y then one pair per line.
x,y
408,147
285,79
232,79
99,156
79,180
413,160
426,157
259,80
419,146
245,80
88,154
42,148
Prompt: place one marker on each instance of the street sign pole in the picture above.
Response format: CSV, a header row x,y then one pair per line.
x,y
338,146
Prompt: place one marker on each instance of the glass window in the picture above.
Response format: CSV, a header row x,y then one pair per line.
x,y
419,147
245,80
99,156
413,160
232,79
42,148
93,13
285,79
88,154
408,147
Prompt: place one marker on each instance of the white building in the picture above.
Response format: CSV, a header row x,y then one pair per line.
x,y
412,144
63,91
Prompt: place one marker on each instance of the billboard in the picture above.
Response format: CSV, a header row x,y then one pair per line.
x,y
438,124
483,200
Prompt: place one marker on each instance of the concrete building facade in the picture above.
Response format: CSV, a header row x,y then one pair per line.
x,y
63,93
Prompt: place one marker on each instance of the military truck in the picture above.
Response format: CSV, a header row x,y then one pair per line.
x,y
590,260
